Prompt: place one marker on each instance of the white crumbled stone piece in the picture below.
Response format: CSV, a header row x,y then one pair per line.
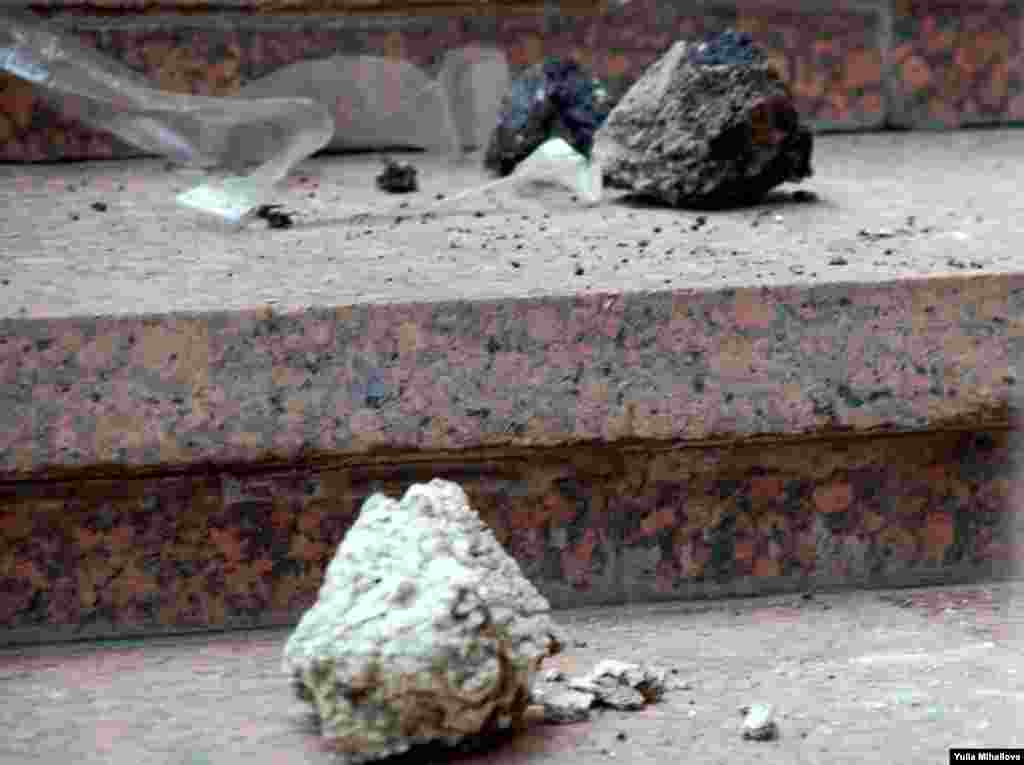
x,y
758,723
562,705
425,629
622,685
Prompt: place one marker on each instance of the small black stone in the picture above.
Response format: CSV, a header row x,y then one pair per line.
x,y
398,178
99,206
275,216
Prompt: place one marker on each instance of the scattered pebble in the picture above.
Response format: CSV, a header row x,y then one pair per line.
x,y
562,706
758,724
398,178
621,685
99,206
872,236
275,216
838,260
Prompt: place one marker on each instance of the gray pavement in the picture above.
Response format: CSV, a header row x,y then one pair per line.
x,y
887,677
889,206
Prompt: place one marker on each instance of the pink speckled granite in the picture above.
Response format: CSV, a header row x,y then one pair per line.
x,y
956,64
230,549
686,365
173,457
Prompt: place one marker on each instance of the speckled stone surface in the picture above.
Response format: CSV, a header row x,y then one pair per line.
x,y
137,338
175,452
832,59
957,64
588,526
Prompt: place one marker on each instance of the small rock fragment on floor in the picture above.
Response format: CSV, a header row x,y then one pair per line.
x,y
398,178
758,723
563,705
275,216
709,124
622,685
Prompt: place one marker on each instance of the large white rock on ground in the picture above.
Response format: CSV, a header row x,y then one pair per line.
x,y
425,629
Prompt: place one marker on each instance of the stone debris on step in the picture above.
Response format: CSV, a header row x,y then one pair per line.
x,y
425,630
612,684
563,705
707,125
758,723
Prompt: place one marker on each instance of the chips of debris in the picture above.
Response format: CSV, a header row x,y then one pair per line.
x,y
398,178
622,685
562,705
758,724
275,216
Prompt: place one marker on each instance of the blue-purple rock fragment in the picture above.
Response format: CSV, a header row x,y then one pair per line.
x,y
728,48
554,99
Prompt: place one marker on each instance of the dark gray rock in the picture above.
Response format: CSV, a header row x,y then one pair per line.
x,y
707,125
554,99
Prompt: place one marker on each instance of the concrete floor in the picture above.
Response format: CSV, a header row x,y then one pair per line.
x,y
898,676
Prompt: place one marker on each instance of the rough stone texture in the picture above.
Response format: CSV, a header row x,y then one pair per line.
x,y
424,630
758,723
561,706
554,99
621,685
708,125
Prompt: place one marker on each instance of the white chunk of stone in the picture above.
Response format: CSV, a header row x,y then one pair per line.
x,y
758,723
622,685
425,629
